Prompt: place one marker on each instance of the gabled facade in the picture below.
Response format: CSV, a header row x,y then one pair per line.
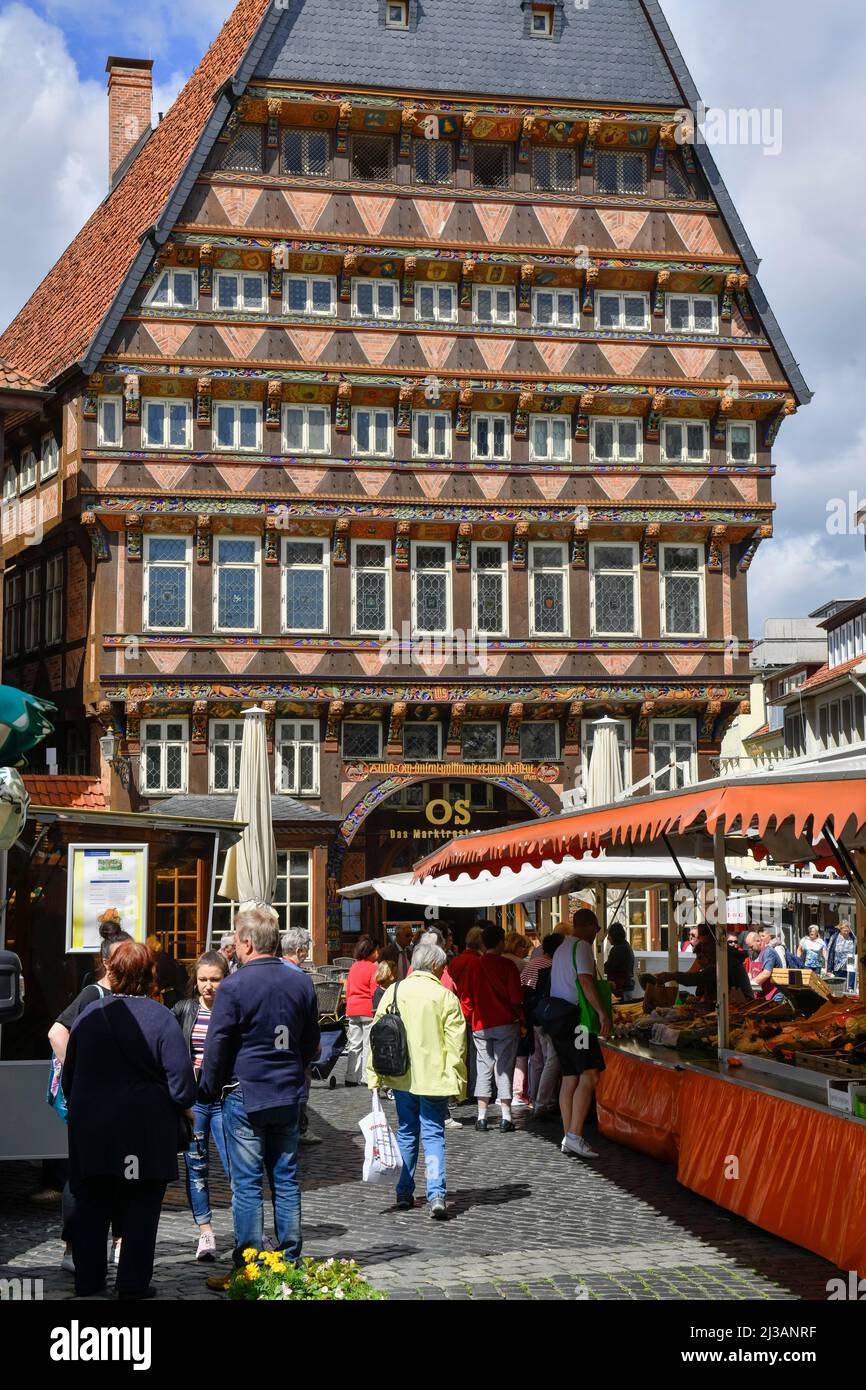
x,y
414,380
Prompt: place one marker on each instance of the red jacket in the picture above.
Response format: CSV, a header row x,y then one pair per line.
x,y
461,970
360,983
495,992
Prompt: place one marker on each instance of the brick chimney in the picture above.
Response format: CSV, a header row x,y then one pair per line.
x,y
130,92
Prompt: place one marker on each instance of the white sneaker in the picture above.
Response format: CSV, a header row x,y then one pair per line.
x,y
520,1105
67,1262
206,1246
451,1123
116,1255
577,1146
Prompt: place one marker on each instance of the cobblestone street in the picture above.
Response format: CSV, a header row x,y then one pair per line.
x,y
525,1222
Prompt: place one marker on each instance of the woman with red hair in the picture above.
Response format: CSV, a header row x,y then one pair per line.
x,y
126,1078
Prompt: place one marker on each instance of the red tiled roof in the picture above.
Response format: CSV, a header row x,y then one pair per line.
x,y
831,673
59,320
13,380
81,793
757,733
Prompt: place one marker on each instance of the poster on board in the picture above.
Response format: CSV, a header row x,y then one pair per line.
x,y
103,879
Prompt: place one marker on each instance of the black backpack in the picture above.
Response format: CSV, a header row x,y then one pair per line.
x,y
389,1046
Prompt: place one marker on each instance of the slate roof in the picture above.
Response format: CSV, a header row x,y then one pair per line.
x,y
285,810
605,52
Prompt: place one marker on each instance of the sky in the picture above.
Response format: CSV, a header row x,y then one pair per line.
x,y
803,207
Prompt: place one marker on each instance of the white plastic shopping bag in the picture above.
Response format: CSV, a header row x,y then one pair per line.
x,y
382,1158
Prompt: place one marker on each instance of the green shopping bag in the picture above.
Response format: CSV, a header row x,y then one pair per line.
x,y
588,1015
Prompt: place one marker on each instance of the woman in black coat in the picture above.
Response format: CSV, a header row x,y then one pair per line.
x,y
127,1077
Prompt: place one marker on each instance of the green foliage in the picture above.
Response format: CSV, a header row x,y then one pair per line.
x,y
267,1276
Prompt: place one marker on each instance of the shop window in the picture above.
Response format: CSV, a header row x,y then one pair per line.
x,y
180,918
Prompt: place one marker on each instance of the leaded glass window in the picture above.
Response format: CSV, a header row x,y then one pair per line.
x,y
490,576
109,429
240,291
549,438
371,157
431,587
422,741
167,576
361,738
237,425
306,152
685,441
616,439
434,162
375,299
741,441
305,585
236,584
226,737
539,741
311,294
298,757
163,755
306,429
682,589
554,169
692,313
493,305
673,746
175,289
244,151
371,608
620,172
614,309
431,434
481,741
436,302
554,308
491,436
167,424
371,432
548,610
614,589
491,165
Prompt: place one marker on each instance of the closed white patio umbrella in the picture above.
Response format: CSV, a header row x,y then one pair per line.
x,y
250,874
604,778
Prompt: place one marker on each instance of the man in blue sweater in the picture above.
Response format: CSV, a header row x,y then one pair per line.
x,y
263,1033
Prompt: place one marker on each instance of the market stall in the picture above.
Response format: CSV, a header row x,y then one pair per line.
x,y
762,1106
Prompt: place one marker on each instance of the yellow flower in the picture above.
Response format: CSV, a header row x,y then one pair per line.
x,y
279,1267
251,1254
252,1272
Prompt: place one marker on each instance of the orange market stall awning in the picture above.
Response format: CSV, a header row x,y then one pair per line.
x,y
794,818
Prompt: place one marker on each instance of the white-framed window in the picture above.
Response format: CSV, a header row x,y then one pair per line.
x,y
166,423
237,425
310,294
372,431
166,600
292,896
491,435
491,165
109,421
550,438
27,470
375,299
306,562
176,288
741,441
371,158
481,741
433,162
493,304
557,308
306,429
490,588
541,22
225,737
164,752
554,168
681,581
623,738
54,584
371,586
621,309
673,753
240,291
10,483
298,757
50,457
431,587
539,741
685,441
422,741
237,583
361,738
397,14
691,313
306,151
620,171
431,434
614,589
548,589
616,439
13,599
32,608
435,302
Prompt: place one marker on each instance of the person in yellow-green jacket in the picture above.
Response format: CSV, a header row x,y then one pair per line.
x,y
436,1036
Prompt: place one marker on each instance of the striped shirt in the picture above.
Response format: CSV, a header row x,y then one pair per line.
x,y
529,974
199,1035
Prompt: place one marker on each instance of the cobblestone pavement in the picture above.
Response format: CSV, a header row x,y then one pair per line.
x,y
525,1222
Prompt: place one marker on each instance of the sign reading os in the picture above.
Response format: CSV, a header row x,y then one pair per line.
x,y
441,812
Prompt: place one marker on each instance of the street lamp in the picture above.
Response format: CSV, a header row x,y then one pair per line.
x,y
109,746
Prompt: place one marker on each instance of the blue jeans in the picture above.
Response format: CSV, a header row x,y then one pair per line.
x,y
208,1121
266,1141
421,1118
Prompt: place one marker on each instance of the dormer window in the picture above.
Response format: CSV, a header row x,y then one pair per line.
x,y
541,22
397,14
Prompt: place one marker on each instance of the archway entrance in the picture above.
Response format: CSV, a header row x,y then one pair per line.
x,y
412,820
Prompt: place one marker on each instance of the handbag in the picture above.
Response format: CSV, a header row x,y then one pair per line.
x,y
389,1045
588,1015
382,1158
